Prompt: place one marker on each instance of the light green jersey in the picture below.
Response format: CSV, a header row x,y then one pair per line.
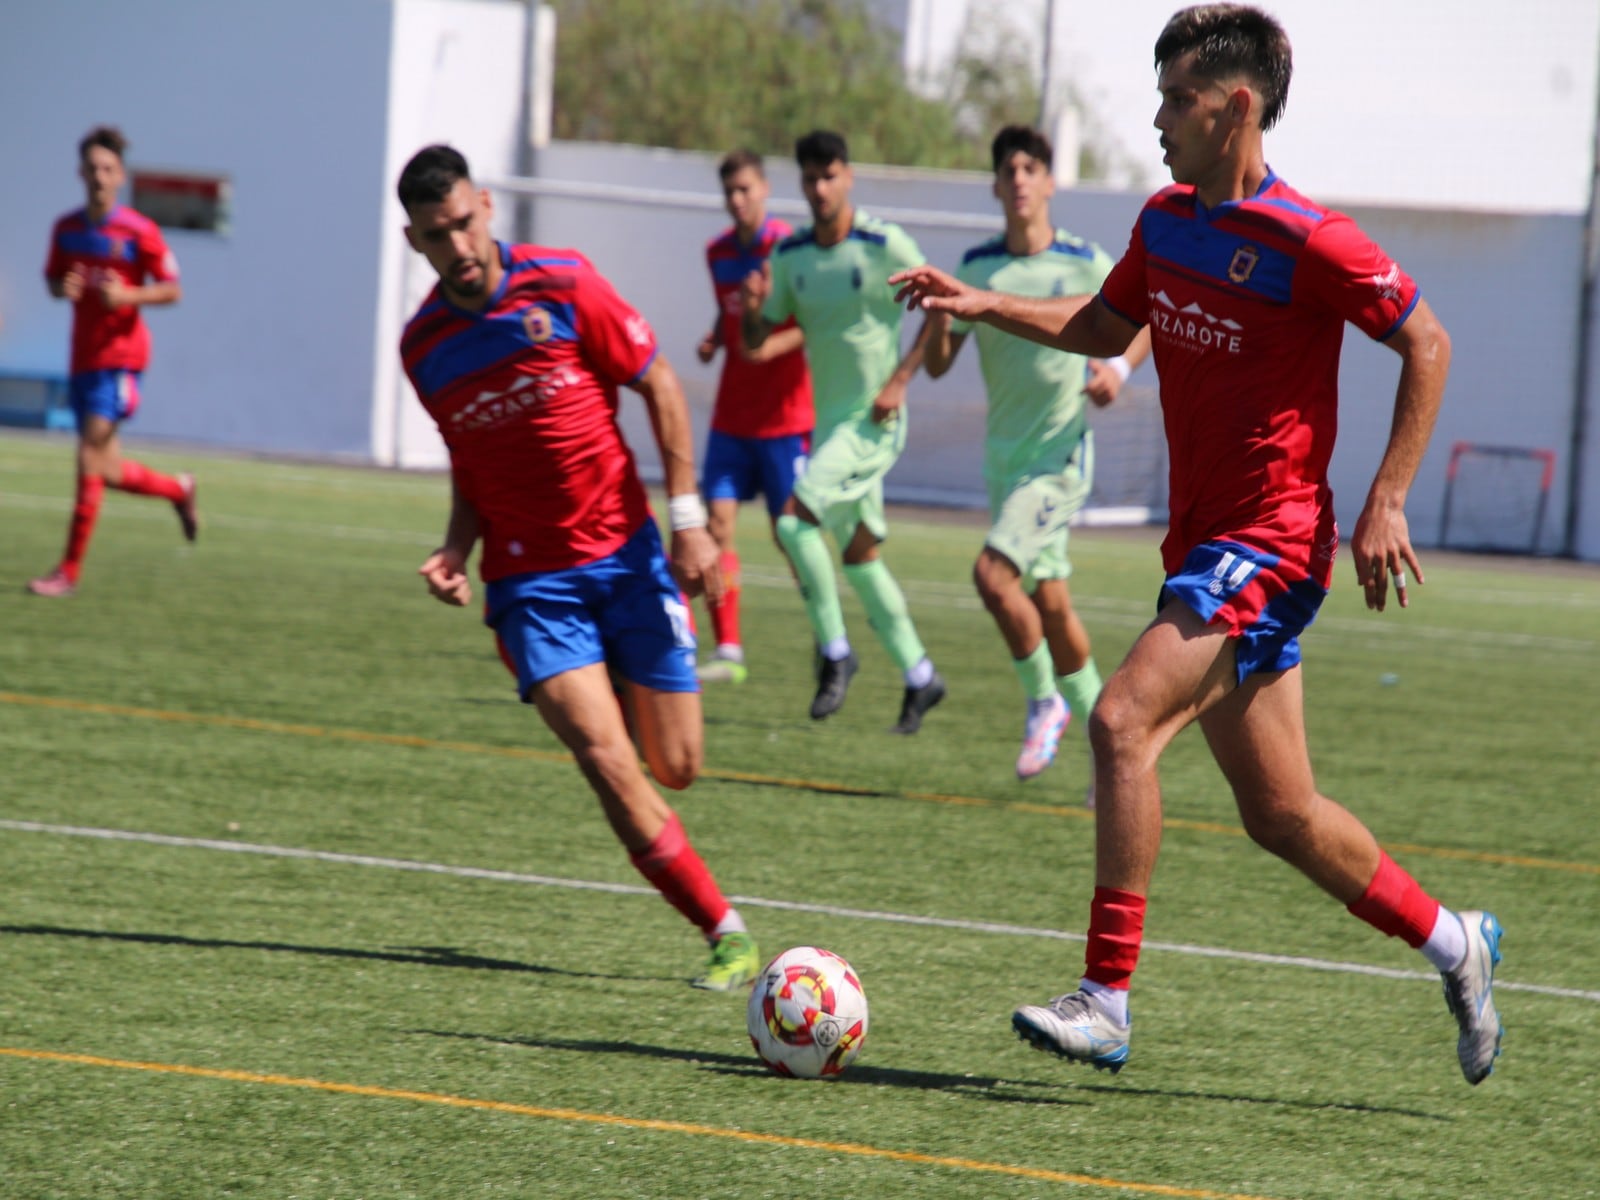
x,y
1036,412
841,298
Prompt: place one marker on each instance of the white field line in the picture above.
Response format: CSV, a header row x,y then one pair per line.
x,y
827,910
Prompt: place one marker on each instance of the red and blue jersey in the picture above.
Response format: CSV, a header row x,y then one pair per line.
x,y
525,396
759,400
1246,305
126,244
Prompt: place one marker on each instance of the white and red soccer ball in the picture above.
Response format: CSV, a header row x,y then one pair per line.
x,y
808,1014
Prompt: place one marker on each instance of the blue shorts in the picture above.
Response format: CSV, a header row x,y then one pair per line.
x,y
1265,602
623,610
113,395
737,468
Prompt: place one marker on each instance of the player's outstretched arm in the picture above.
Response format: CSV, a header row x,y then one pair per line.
x,y
1071,323
892,396
1381,546
445,570
694,556
1107,375
943,345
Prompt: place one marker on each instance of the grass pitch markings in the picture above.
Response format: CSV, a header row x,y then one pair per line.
x,y
963,925
649,1124
725,775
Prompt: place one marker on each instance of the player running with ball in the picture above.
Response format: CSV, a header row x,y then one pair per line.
x,y
1245,286
517,355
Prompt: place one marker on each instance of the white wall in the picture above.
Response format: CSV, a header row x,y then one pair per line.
x,y
286,337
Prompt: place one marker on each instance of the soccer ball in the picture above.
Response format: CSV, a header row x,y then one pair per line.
x,y
808,1014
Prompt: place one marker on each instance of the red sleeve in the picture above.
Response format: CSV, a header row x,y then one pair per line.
x,y
617,340
1125,291
155,260
1347,271
56,264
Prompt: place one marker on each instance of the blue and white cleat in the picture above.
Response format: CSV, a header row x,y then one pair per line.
x,y
1469,991
1073,1027
1042,737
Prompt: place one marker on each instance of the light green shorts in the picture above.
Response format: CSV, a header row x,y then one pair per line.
x,y
843,482
1031,512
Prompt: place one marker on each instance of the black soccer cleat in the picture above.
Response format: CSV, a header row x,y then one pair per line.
x,y
916,704
833,681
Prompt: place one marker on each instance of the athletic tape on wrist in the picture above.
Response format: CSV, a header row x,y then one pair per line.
x,y
686,512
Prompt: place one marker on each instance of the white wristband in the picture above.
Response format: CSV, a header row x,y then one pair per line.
x,y
1121,366
686,512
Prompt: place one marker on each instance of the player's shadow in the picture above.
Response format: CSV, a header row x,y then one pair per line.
x,y
983,1087
424,956
979,1086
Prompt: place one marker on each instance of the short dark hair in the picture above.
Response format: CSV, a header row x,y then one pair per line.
x,y
431,175
821,147
107,137
738,160
1230,40
1024,138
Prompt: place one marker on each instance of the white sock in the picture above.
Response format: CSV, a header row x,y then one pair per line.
x,y
731,922
920,675
837,650
1109,1000
1446,947
730,651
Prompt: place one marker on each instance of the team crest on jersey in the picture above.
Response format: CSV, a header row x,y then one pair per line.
x,y
536,323
855,278
118,247
1244,263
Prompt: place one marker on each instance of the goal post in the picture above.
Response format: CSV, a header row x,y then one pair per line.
x,y
1495,498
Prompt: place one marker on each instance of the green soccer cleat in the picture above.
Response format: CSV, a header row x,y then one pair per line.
x,y
720,669
734,963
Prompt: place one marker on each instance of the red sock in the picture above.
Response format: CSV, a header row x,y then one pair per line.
x,y
1116,927
671,864
91,488
142,481
725,615
1396,904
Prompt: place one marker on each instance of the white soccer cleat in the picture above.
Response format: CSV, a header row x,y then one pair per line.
x,y
1075,1028
1041,737
1469,991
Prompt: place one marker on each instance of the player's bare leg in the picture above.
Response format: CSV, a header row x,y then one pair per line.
x,y
1257,735
582,709
671,734
1021,625
1177,669
726,664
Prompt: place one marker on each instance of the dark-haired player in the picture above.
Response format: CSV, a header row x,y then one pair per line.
x,y
761,423
1245,286
110,262
1038,458
517,354
832,279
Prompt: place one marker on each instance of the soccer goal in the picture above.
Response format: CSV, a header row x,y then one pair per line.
x,y
1495,498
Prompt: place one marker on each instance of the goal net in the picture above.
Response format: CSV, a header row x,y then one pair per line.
x,y
1495,498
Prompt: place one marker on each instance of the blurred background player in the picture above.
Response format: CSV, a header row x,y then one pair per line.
x,y
832,278
101,257
761,425
517,354
1038,450
1245,286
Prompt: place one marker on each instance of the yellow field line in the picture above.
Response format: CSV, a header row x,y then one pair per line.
x,y
259,725
593,1118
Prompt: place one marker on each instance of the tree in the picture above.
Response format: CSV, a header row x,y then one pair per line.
x,y
713,74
